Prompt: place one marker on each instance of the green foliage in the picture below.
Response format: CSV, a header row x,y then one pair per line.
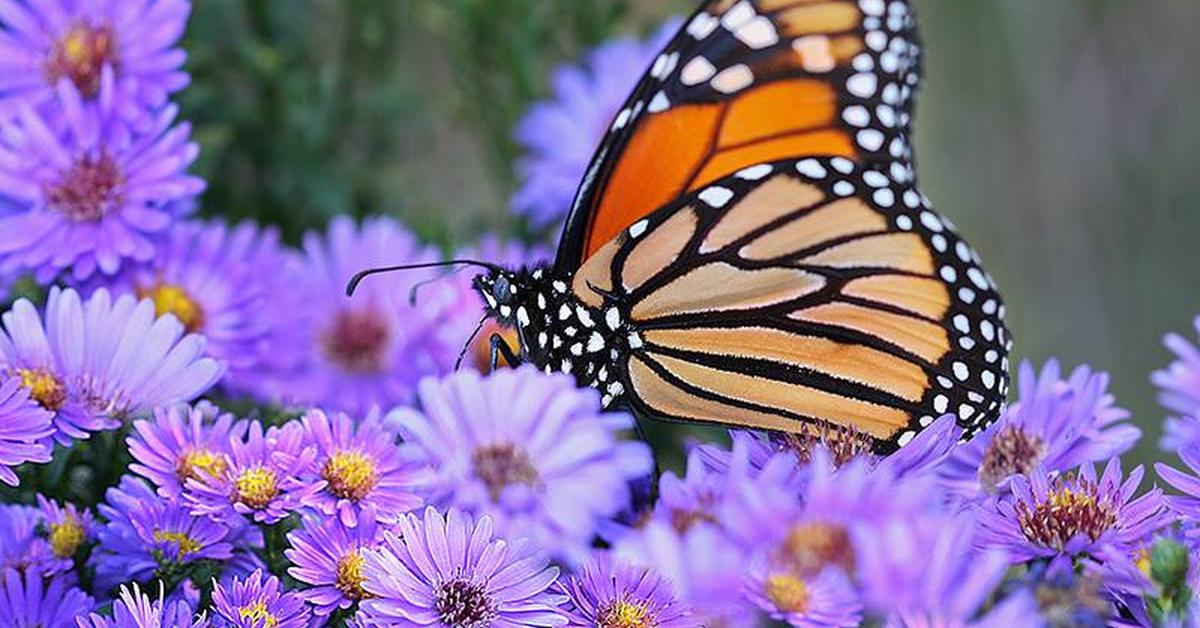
x,y
1169,564
313,108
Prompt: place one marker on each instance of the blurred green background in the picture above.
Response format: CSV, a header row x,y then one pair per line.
x,y
1060,135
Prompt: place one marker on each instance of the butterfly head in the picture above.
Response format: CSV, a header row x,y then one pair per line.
x,y
502,291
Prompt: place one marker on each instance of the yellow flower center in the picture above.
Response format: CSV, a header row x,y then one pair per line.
x,y
256,487
66,537
44,388
80,56
174,300
349,576
186,545
350,475
257,615
625,614
1141,558
196,461
788,593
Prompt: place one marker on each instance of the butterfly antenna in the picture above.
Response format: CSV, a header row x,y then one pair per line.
x,y
466,347
412,294
352,285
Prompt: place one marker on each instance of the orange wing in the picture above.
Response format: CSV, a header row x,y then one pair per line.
x,y
799,296
749,82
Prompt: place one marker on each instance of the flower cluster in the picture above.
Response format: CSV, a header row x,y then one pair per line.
x,y
199,429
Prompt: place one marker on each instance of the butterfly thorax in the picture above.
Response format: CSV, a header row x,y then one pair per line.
x,y
557,331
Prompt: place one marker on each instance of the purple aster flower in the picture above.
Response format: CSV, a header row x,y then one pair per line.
x,y
25,429
1179,383
929,574
260,477
147,534
1056,424
258,601
1071,514
1066,597
925,452
81,191
370,349
559,136
529,449
702,495
135,609
328,556
358,465
613,594
28,601
100,360
181,443
67,530
705,567
805,550
1186,505
129,46
1180,432
220,281
23,548
450,572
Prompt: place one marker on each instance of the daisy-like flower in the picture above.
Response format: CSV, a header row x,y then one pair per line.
x,y
23,548
148,535
1071,514
612,594
1179,433
181,443
328,557
96,361
80,191
705,567
31,601
930,575
129,45
358,465
559,135
25,428
925,452
260,478
450,572
370,349
1179,383
1186,505
531,450
1056,424
258,601
67,530
220,281
135,609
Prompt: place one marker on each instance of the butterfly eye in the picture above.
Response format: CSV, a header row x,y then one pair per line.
x,y
500,289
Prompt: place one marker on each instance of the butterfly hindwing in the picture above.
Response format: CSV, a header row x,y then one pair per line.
x,y
802,294
747,82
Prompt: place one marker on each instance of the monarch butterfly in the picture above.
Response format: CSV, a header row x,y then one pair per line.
x,y
748,247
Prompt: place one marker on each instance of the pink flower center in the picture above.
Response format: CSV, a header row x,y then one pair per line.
x,y
499,466
81,55
1073,506
89,191
358,340
465,604
1013,451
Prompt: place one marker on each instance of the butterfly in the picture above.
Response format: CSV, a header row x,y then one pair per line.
x,y
748,247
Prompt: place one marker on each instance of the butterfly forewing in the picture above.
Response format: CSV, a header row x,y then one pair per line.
x,y
804,294
746,82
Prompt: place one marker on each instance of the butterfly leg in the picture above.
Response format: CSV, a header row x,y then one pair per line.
x,y
500,349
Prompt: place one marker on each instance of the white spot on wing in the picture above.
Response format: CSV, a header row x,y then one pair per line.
x,y
697,71
716,196
733,79
754,173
